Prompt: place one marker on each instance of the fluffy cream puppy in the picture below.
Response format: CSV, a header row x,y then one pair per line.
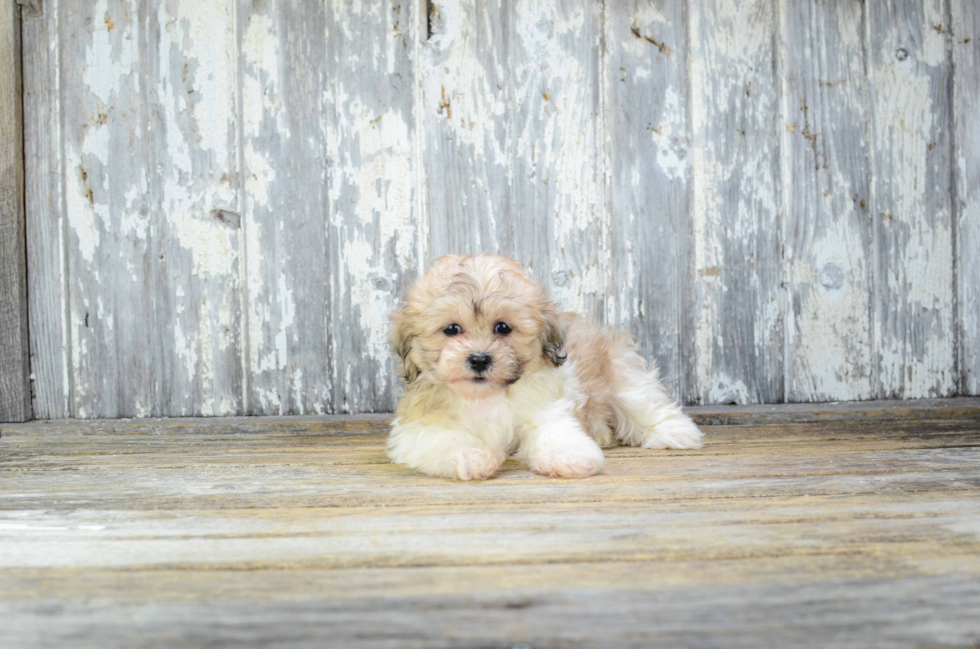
x,y
492,369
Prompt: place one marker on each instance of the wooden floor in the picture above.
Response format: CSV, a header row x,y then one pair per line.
x,y
834,526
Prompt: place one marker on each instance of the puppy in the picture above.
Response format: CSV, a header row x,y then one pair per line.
x,y
492,369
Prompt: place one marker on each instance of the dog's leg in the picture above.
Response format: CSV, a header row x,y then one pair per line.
x,y
646,415
556,445
443,452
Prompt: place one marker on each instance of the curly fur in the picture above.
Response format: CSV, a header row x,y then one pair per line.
x,y
457,422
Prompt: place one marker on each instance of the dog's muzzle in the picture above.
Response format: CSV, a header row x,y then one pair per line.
x,y
479,362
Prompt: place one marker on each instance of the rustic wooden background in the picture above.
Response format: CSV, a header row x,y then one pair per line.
x,y
780,198
15,396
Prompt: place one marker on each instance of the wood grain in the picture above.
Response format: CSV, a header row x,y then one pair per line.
x,y
826,196
913,234
840,612
193,207
224,201
511,104
737,201
45,211
648,112
330,218
149,169
194,532
114,337
965,37
287,265
15,388
376,232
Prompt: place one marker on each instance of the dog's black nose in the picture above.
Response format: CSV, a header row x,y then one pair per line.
x,y
479,362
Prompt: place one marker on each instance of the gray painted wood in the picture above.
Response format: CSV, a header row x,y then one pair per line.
x,y
46,218
192,211
511,99
288,360
649,140
737,123
114,338
827,201
15,388
911,197
331,200
262,181
376,232
302,277
149,168
965,37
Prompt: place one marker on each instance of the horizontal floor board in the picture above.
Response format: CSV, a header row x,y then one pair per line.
x,y
839,531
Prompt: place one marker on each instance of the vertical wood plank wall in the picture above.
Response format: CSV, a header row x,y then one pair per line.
x,y
965,37
15,389
735,115
910,78
778,198
827,233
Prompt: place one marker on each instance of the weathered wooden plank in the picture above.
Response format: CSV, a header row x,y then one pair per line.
x,y
494,586
736,124
270,467
330,218
911,209
134,265
511,102
161,528
114,336
846,610
324,539
376,233
15,369
956,409
285,74
193,216
826,189
46,220
149,171
646,82
965,34
919,409
329,465
285,204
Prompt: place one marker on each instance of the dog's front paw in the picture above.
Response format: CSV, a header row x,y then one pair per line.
x,y
477,463
674,433
569,462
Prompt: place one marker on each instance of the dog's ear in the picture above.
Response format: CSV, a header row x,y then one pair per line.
x,y
401,344
553,337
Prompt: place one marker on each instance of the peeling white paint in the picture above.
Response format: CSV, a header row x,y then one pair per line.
x,y
372,189
286,314
909,99
966,89
725,390
671,141
260,89
827,232
736,206
525,133
371,305
110,56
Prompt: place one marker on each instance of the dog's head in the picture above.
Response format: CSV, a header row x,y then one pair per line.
x,y
476,324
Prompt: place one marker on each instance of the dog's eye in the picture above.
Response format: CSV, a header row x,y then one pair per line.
x,y
501,329
453,330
